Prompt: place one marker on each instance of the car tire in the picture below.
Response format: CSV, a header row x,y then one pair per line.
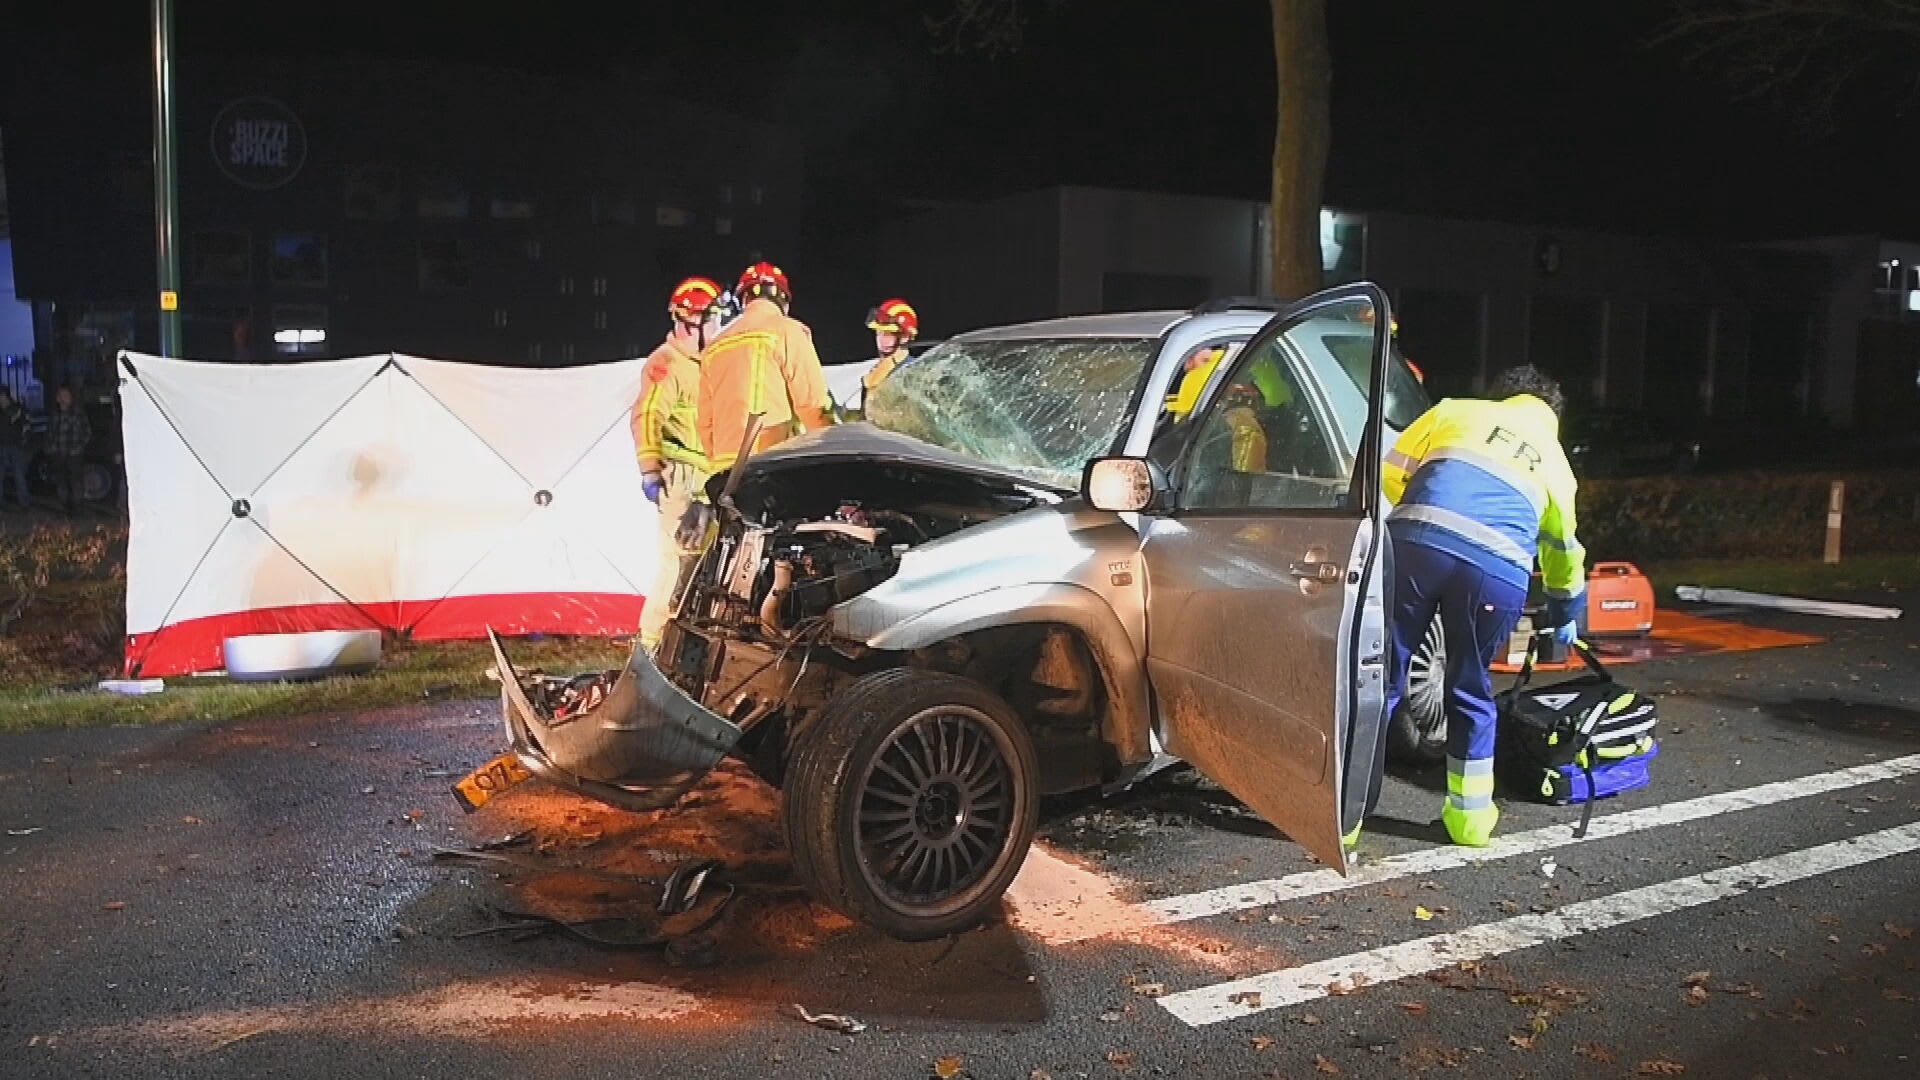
x,y
1417,731
96,483
910,802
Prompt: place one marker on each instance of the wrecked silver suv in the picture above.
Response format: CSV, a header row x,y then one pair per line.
x,y
1057,556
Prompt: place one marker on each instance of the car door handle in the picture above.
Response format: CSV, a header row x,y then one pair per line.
x,y
1324,572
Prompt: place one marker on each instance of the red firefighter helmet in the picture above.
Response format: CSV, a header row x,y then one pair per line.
x,y
763,279
691,299
895,316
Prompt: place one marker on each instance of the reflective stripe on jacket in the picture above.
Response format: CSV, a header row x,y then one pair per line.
x,y
666,418
763,362
1491,474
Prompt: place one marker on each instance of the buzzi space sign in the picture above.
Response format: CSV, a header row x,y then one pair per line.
x,y
259,143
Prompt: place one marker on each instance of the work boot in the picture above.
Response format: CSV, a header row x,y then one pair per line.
x,y
1470,828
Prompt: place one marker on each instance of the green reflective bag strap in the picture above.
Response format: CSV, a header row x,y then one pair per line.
x,y
1526,666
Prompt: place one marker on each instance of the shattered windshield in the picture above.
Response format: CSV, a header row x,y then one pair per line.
x,y
1042,407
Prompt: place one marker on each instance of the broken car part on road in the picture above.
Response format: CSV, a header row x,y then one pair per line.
x,y
1742,598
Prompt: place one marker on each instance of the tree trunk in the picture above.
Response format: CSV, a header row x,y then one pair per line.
x,y
1304,70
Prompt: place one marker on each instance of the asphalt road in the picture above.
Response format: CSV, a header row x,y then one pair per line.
x,y
260,899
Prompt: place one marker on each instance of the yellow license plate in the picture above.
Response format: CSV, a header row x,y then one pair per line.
x,y
483,783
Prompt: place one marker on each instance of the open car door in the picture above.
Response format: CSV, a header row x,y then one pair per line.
x,y
1266,613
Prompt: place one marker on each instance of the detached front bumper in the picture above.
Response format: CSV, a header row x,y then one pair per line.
x,y
640,749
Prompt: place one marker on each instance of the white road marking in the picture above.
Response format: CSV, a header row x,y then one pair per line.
x,y
1309,982
1432,860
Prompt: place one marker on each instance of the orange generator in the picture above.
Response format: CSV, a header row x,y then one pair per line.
x,y
1619,600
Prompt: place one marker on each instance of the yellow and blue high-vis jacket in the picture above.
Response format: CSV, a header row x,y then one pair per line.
x,y
1488,481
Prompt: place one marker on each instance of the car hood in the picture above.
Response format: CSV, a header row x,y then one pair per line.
x,y
1066,544
865,442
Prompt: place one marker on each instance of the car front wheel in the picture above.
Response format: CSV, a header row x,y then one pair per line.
x,y
911,802
1417,731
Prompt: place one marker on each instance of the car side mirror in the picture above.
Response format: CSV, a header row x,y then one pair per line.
x,y
1124,485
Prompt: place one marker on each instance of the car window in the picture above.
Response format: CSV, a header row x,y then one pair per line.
x,y
1042,407
1406,398
1260,444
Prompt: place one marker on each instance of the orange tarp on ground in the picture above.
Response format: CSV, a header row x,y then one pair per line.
x,y
1677,634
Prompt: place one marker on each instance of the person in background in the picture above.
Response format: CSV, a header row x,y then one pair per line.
x,y
894,324
1479,489
243,341
666,438
68,434
13,447
763,364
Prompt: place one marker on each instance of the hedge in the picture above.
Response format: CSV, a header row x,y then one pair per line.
x,y
1745,515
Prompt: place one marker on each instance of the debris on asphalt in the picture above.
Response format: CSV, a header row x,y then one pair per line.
x,y
1548,867
1904,933
511,840
242,1036
26,832
1595,1053
683,886
1248,998
1262,1042
1422,914
1321,1064
1152,990
114,905
1121,1060
948,1067
1660,1067
1414,1008
1798,605
1427,1056
845,1025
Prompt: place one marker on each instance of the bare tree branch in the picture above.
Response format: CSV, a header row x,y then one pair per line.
x,y
994,27
1808,54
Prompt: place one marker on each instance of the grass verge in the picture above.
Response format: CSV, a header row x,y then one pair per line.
x,y
1860,576
409,673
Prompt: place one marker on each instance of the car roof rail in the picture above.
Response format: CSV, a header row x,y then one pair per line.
x,y
1239,303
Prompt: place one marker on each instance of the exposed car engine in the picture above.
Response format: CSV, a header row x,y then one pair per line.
x,y
811,539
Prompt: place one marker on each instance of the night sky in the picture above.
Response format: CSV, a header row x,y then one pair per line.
x,y
1505,109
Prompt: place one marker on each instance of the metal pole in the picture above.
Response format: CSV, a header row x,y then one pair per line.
x,y
166,205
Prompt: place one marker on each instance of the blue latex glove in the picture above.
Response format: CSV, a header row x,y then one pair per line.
x,y
653,485
1566,609
1567,633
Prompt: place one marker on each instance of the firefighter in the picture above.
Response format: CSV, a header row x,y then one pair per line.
x,y
673,469
1198,367
894,324
1480,487
762,363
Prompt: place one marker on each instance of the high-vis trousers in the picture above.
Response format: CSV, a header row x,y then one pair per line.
x,y
674,559
1478,612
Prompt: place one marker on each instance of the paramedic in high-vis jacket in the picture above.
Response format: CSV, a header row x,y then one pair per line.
x,y
1480,487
